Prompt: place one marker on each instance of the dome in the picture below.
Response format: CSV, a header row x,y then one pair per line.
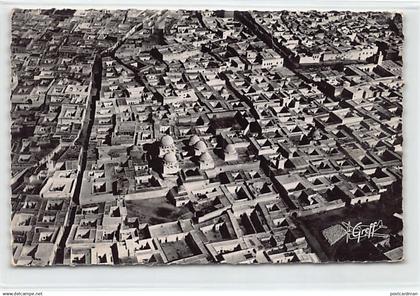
x,y
200,145
230,149
166,140
170,158
193,140
206,157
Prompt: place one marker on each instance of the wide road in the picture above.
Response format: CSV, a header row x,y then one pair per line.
x,y
83,140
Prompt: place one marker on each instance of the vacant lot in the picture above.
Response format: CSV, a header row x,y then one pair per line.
x,y
177,250
156,211
342,251
225,122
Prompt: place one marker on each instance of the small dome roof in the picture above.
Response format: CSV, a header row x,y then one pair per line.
x,y
230,149
193,140
200,145
170,158
205,156
167,140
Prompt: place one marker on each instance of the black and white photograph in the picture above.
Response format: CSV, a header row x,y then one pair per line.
x,y
164,137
